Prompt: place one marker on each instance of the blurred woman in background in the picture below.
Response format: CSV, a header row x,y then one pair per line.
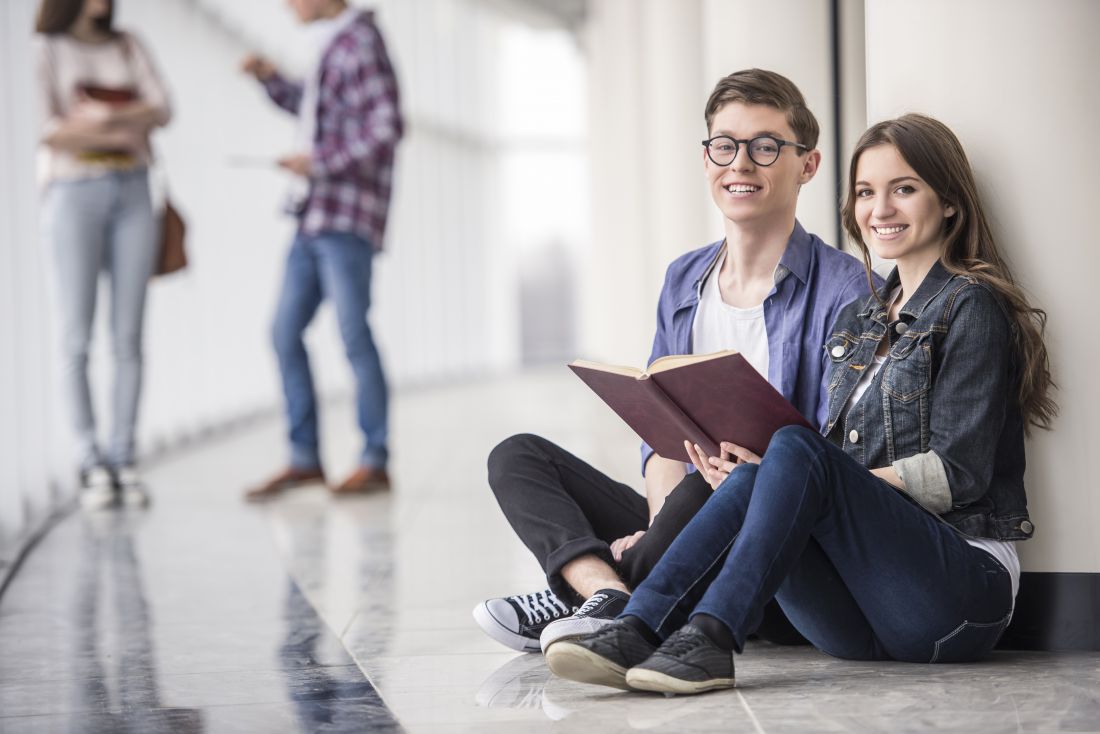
x,y
101,97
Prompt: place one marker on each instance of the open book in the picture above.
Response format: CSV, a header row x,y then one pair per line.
x,y
703,398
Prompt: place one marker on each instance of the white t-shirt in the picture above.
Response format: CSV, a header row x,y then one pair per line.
x,y
719,326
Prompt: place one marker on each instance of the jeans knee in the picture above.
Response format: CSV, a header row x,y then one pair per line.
x,y
127,349
76,353
794,437
742,478
507,454
358,341
285,339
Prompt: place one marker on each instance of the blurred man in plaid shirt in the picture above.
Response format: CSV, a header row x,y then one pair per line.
x,y
348,127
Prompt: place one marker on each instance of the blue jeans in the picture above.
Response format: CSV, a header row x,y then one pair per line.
x,y
94,225
862,571
336,266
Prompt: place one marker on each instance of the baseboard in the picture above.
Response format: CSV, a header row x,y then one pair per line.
x,y
1055,611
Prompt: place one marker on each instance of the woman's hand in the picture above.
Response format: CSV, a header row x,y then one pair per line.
x,y
621,545
740,454
92,113
714,469
125,139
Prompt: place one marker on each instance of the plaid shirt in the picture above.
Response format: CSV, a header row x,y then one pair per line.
x,y
358,126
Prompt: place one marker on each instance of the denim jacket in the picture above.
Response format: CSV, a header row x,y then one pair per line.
x,y
943,409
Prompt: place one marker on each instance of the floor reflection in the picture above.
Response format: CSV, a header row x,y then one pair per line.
x,y
524,682
114,661
323,706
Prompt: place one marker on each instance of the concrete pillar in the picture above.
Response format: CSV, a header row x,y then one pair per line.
x,y
645,111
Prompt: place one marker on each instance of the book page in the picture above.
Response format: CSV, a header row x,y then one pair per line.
x,y
613,369
673,361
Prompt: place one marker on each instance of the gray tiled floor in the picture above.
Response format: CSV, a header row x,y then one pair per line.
x,y
224,641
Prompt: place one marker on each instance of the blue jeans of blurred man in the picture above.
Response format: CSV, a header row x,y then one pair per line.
x,y
95,225
335,266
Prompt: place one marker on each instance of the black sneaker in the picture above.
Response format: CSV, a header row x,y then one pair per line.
x,y
517,621
687,662
598,611
602,657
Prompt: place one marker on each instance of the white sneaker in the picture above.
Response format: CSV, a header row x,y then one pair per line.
x,y
517,621
598,611
132,487
97,488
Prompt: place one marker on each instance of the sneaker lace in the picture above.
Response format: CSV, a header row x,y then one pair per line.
x,y
593,601
541,606
680,642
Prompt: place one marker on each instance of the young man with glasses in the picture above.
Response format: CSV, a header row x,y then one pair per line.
x,y
769,290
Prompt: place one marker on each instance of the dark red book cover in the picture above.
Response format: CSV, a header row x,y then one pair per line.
x,y
705,399
110,95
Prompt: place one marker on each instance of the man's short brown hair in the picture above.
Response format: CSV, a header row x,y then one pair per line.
x,y
757,86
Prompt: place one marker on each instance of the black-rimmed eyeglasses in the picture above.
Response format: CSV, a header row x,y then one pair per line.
x,y
763,149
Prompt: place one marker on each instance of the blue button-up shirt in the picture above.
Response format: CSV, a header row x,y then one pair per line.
x,y
813,283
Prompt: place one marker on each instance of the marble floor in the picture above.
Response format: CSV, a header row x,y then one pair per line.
x,y
204,614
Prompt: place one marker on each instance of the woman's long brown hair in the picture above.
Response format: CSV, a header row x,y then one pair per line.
x,y
58,16
937,156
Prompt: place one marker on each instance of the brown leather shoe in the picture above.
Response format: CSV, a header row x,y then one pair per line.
x,y
288,478
364,480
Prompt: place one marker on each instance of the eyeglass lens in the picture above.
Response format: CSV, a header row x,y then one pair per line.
x,y
763,150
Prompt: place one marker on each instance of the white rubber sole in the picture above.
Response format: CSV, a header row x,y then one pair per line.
x,y
574,662
641,679
97,498
136,498
571,628
491,626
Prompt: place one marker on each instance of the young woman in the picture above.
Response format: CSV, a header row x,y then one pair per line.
x,y
100,99
892,536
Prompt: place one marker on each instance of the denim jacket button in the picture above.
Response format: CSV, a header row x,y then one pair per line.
x,y
901,327
853,436
1026,527
837,351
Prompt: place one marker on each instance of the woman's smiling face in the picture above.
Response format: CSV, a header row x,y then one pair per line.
x,y
898,213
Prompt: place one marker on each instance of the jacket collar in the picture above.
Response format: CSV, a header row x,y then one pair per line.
x,y
932,285
796,260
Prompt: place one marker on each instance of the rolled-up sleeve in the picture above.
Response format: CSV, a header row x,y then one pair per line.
x,y
283,92
925,481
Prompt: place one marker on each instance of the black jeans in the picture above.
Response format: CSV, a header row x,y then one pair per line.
x,y
562,508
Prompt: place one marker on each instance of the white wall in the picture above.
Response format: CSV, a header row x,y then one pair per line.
x,y
1016,81
27,452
